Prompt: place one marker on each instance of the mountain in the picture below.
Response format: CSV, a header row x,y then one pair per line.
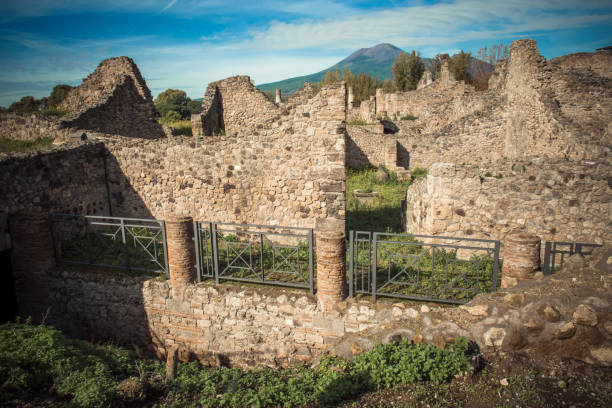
x,y
375,61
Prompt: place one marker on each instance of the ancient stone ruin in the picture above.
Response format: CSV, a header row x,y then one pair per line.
x,y
530,154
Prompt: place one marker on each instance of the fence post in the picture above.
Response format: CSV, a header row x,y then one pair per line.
x,y
521,257
351,266
32,255
181,253
331,263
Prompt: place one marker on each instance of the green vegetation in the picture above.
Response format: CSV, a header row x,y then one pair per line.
x,y
175,109
47,106
363,85
359,122
418,172
385,211
34,359
409,117
9,145
407,71
39,361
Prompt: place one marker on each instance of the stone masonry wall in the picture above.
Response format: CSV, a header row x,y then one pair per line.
x,y
364,145
113,99
66,179
533,108
235,105
565,315
29,126
288,174
555,200
232,324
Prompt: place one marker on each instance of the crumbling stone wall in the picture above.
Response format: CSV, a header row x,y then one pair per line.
x,y
364,145
234,105
556,200
65,179
533,107
29,126
289,173
113,99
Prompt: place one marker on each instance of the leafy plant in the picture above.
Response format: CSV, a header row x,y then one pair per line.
x,y
418,172
34,359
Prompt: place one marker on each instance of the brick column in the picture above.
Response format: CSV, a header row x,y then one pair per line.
x,y
181,253
31,258
521,257
331,263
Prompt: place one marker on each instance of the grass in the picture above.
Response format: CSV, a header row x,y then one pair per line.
x,y
359,122
384,213
181,127
10,145
409,117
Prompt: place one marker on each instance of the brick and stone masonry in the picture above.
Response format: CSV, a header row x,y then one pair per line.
x,y
521,257
31,258
331,263
181,253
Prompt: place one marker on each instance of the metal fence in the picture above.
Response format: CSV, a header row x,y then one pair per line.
x,y
132,244
444,269
555,253
264,254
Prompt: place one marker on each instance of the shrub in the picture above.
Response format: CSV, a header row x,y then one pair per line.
x,y
417,172
409,117
34,359
53,111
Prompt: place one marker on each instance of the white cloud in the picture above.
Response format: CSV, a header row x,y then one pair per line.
x,y
426,25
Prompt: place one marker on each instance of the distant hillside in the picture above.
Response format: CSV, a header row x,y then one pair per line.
x,y
375,61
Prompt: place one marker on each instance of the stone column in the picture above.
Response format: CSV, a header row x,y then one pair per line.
x,y
331,263
278,96
351,97
521,257
390,152
181,253
32,257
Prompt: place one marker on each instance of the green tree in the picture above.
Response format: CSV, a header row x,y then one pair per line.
x,y
27,104
194,107
387,86
407,71
172,97
58,94
172,116
434,65
460,66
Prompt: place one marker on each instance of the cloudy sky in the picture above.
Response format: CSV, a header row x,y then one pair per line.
x,y
187,43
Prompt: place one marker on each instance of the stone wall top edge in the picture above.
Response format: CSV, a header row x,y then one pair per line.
x,y
55,149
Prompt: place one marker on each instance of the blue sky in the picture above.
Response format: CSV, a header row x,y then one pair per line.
x,y
186,44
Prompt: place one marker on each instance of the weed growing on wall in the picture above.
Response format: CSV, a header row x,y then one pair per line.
x,y
9,145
